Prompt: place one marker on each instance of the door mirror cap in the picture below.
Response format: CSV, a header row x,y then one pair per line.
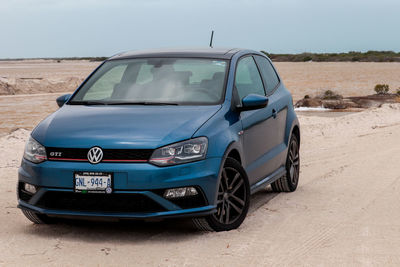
x,y
62,99
253,101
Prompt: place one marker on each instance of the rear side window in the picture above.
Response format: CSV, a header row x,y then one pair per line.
x,y
247,79
268,73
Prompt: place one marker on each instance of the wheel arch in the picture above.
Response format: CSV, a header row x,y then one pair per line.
x,y
234,153
292,126
233,150
296,132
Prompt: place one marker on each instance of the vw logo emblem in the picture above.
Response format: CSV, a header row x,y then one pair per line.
x,y
95,155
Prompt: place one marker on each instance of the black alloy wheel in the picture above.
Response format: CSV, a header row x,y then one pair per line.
x,y
233,200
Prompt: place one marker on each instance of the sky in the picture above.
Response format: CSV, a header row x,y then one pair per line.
x,y
80,28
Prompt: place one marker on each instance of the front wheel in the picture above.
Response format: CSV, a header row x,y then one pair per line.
x,y
233,200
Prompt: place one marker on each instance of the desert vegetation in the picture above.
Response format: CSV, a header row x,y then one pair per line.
x,y
352,56
332,100
331,95
381,89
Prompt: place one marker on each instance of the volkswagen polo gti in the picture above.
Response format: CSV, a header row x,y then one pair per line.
x,y
164,133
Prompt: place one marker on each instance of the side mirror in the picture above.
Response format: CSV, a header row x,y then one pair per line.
x,y
62,99
253,101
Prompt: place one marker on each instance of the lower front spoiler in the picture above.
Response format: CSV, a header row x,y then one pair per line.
x,y
193,212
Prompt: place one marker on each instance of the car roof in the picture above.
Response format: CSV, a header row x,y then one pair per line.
x,y
222,53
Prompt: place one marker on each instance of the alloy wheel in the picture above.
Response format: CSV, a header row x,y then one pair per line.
x,y
232,196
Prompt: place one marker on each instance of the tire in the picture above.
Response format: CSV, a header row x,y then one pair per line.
x,y
233,200
37,218
289,182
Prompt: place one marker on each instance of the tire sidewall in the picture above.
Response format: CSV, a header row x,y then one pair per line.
x,y
291,185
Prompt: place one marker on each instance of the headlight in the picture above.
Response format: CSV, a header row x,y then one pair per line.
x,y
182,152
34,151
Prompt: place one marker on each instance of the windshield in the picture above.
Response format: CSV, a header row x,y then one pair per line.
x,y
155,81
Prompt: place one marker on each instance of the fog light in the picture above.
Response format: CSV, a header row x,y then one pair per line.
x,y
30,188
180,192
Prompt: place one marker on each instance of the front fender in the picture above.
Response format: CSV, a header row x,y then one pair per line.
x,y
223,132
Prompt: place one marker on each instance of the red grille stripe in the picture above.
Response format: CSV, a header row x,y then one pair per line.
x,y
105,160
68,159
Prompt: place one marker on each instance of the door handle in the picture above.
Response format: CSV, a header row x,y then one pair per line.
x,y
274,113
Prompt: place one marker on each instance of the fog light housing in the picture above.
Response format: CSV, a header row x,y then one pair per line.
x,y
180,192
30,188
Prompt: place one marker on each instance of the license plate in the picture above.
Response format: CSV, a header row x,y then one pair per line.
x,y
93,182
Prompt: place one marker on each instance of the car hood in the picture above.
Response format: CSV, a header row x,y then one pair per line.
x,y
121,126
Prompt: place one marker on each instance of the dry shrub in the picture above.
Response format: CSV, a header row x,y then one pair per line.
x,y
381,89
331,95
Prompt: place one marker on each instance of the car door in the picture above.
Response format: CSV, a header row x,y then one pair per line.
x,y
274,91
259,125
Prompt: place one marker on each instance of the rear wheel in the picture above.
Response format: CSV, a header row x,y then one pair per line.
x,y
232,201
37,217
289,182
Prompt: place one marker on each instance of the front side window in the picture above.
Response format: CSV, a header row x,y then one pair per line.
x,y
247,78
155,80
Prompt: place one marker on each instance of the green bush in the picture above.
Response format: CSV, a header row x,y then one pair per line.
x,y
381,89
330,95
398,91
307,58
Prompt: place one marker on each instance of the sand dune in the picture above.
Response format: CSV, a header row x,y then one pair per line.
x,y
43,76
346,211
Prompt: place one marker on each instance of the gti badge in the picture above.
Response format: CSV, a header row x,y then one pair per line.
x,y
55,154
95,155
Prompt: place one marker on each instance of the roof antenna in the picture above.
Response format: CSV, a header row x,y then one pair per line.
x,y
212,36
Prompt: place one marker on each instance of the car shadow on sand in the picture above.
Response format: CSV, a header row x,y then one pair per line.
x,y
92,231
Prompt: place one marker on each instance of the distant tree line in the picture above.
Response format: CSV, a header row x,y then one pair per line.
x,y
352,56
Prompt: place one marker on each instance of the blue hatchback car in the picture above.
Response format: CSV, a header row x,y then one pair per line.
x,y
164,133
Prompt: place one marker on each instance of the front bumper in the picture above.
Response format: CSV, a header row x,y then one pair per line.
x,y
138,189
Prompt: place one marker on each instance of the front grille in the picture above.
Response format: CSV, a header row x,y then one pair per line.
x,y
99,202
109,155
189,202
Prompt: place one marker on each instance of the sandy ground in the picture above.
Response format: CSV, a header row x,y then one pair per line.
x,y
347,78
25,111
346,210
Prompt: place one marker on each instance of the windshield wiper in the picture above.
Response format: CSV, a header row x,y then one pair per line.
x,y
144,103
87,103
